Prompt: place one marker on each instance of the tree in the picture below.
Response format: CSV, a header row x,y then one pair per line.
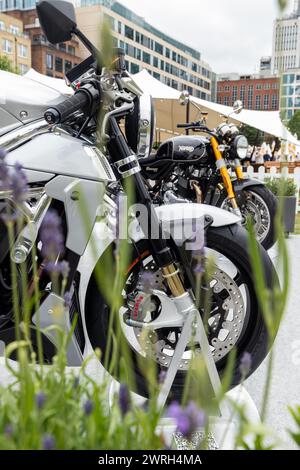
x,y
294,124
254,136
5,64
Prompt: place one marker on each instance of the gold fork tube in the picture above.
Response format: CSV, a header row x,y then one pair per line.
x,y
171,275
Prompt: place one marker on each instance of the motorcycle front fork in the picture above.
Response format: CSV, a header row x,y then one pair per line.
x,y
221,165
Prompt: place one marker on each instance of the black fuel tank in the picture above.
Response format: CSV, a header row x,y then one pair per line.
x,y
189,149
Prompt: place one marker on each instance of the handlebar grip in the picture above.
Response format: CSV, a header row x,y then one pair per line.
x,y
182,126
60,113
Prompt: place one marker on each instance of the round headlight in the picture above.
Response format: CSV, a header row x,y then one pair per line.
x,y
241,146
140,126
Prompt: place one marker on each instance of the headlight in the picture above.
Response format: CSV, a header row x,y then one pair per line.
x,y
241,146
140,126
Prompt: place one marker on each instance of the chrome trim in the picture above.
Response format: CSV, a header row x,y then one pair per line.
x,y
145,126
22,134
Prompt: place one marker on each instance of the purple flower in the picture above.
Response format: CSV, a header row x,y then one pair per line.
x,y
8,430
124,399
188,419
19,184
52,240
245,364
2,154
68,299
148,281
88,407
48,442
199,258
162,376
40,400
64,269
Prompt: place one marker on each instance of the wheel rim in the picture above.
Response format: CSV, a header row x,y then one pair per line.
x,y
228,317
256,208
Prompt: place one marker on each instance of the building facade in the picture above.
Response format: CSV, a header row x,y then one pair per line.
x,y
46,58
290,93
256,92
170,61
14,43
286,41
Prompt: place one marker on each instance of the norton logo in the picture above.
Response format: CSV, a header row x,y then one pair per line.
x,y
186,148
148,168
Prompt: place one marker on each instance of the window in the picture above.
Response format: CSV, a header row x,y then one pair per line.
x,y
226,100
275,85
23,50
259,86
58,64
156,75
7,46
168,53
2,26
14,29
226,88
234,93
68,65
267,86
266,101
49,61
62,46
159,48
155,62
129,32
257,102
162,65
274,101
134,68
288,78
146,57
250,97
242,93
71,50
119,27
23,68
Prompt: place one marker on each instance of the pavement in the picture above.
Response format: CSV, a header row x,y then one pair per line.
x,y
285,384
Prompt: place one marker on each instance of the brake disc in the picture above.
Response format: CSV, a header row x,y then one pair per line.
x,y
225,323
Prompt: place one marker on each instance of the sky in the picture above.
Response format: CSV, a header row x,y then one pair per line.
x,y
231,35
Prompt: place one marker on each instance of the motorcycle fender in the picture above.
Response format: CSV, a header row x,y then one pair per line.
x,y
240,186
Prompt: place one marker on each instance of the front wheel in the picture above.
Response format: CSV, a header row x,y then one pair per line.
x,y
260,205
234,320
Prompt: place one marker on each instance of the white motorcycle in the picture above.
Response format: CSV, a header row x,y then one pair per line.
x,y
72,157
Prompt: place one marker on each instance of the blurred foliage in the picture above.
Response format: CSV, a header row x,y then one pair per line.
x,y
5,64
281,186
294,124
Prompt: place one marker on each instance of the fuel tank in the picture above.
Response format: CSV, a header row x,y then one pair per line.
x,y
188,149
58,153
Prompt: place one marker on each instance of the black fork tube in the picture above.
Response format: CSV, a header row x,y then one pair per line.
x,y
118,149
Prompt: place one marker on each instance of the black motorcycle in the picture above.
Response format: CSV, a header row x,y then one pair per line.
x,y
195,168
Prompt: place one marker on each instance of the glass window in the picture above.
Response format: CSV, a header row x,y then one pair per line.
x,y
146,57
162,65
159,48
258,102
23,68
129,32
168,53
71,50
68,65
7,46
155,62
49,61
2,26
288,78
266,101
134,68
156,75
58,64
62,46
259,86
120,27
23,50
14,29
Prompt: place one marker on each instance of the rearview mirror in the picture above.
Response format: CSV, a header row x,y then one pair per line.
x,y
57,19
238,107
184,98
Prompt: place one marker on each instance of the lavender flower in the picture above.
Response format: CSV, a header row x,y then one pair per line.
x,y
19,184
64,269
8,430
188,419
245,364
162,376
199,257
148,281
40,400
88,407
124,399
68,299
52,236
48,442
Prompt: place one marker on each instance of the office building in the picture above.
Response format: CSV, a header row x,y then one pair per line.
x,y
14,43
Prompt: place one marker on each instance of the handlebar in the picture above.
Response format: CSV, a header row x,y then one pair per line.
x,y
83,98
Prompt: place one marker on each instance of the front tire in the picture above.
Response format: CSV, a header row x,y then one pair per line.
x,y
231,242
261,205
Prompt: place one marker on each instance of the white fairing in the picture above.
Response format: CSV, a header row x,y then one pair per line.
x,y
23,100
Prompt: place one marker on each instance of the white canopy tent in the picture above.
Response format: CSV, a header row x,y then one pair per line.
x,y
169,111
56,83
266,121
